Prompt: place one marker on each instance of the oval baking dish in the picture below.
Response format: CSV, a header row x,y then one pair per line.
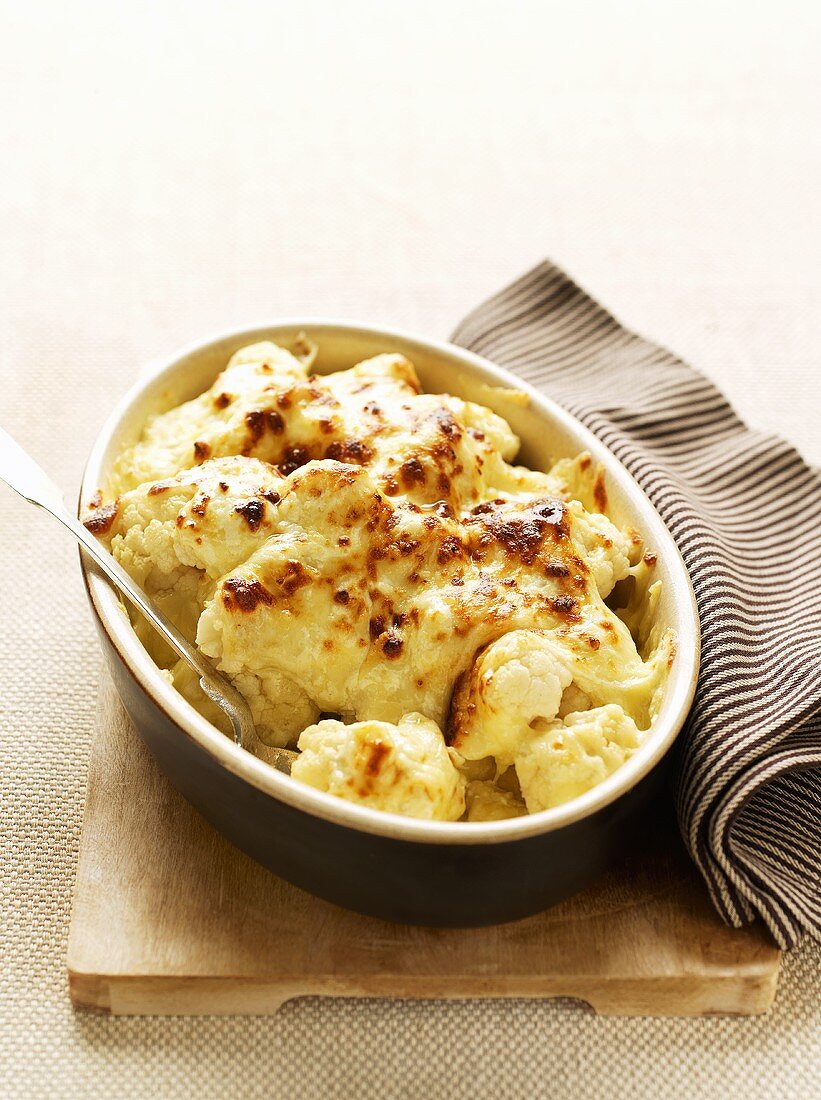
x,y
398,868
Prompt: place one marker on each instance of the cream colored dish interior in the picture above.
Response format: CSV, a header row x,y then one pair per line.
x,y
442,633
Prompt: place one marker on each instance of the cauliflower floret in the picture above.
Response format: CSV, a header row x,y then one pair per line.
x,y
180,599
487,802
210,518
381,373
305,350
573,699
640,611
487,423
279,707
568,479
581,479
507,481
346,543
614,672
605,548
513,682
176,537
217,422
402,769
567,758
146,552
299,605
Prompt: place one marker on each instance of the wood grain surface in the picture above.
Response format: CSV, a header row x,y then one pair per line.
x,y
169,918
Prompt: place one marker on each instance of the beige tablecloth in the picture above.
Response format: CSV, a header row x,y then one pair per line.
x,y
170,171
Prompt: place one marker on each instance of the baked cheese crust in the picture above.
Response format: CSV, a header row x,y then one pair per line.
x,y
348,546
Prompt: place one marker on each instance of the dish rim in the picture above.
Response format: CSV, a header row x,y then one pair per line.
x,y
106,605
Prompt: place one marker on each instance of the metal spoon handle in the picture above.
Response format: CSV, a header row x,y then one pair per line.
x,y
21,472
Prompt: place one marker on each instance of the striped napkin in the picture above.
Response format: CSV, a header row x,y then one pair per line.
x,y
745,510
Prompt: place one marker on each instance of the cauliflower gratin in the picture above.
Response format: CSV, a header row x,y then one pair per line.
x,y
439,632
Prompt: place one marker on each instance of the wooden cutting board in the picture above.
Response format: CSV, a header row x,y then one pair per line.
x,y
169,918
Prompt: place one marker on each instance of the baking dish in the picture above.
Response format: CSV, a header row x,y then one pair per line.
x,y
436,873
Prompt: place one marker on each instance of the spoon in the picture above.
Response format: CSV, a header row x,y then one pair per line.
x,y
22,473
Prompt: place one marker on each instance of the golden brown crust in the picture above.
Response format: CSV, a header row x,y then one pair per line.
x,y
245,595
600,492
383,543
101,520
462,704
253,512
522,534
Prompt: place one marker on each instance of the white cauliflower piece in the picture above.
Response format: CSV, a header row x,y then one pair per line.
x,y
573,699
486,423
300,605
613,671
640,612
581,479
605,548
401,769
345,543
516,482
578,478
379,376
487,802
211,518
514,681
176,538
569,757
279,707
217,422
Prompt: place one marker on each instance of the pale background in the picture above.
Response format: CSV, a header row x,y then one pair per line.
x,y
176,168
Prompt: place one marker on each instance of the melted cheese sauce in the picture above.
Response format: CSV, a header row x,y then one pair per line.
x,y
347,545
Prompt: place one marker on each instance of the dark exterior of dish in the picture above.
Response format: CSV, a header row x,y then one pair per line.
x,y
459,885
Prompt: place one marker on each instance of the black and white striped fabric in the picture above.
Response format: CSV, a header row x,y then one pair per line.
x,y
745,510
